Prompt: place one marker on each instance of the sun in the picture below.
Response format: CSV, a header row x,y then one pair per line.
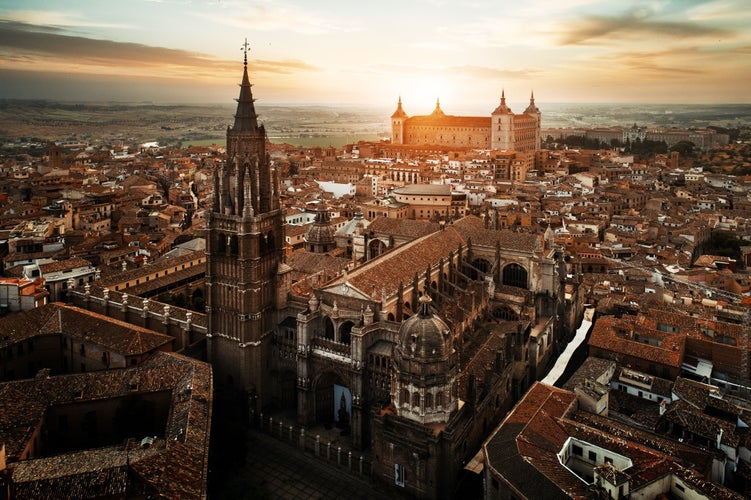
x,y
421,92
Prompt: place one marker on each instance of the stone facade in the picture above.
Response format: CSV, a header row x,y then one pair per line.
x,y
503,130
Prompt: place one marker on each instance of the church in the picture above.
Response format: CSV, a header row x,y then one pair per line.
x,y
417,351
502,130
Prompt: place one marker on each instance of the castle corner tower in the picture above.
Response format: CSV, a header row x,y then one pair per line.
x,y
245,274
397,124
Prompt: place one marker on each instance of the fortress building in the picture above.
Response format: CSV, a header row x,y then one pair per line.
x,y
502,130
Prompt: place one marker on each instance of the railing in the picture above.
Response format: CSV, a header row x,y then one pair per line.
x,y
331,345
334,454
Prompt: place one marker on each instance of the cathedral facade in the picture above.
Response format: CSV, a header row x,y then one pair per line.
x,y
416,352
502,130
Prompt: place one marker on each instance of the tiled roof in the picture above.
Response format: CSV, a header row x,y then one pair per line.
x,y
523,450
399,265
526,456
402,227
310,263
156,266
62,265
424,190
620,335
472,228
175,465
448,121
56,318
592,369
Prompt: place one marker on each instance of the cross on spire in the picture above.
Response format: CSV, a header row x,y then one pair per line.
x,y
245,48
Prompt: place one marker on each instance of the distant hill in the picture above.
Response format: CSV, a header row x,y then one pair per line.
x,y
305,125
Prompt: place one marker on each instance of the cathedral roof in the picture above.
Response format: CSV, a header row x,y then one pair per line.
x,y
391,268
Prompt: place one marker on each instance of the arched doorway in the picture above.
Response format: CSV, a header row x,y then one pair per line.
x,y
333,401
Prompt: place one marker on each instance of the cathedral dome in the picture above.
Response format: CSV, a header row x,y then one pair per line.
x,y
320,235
424,336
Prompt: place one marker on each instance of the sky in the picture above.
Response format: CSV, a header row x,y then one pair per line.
x,y
464,53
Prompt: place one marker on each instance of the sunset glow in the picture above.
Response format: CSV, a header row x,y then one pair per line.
x,y
352,53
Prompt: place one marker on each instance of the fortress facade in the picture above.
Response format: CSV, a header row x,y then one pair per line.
x,y
502,130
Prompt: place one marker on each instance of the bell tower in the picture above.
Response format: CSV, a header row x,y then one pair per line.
x,y
245,277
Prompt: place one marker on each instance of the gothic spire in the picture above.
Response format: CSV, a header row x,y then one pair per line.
x,y
245,116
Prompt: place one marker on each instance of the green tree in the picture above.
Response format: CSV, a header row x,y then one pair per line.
x,y
686,149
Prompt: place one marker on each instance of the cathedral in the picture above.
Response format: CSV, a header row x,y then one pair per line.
x,y
502,130
417,351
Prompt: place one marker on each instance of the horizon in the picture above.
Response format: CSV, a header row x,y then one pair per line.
x,y
336,53
260,103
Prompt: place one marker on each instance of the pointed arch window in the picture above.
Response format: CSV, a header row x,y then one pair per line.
x,y
515,275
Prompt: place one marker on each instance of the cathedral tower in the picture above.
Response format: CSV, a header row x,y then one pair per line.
x,y
245,275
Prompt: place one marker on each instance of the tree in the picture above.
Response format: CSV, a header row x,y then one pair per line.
x,y
685,148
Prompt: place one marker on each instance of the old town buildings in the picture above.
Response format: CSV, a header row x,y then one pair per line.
x,y
405,296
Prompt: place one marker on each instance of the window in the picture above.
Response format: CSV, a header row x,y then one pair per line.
x,y
593,455
577,450
608,460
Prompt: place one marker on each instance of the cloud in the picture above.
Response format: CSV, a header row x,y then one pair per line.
x,y
637,22
42,48
484,72
463,71
54,20
730,10
263,16
285,67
